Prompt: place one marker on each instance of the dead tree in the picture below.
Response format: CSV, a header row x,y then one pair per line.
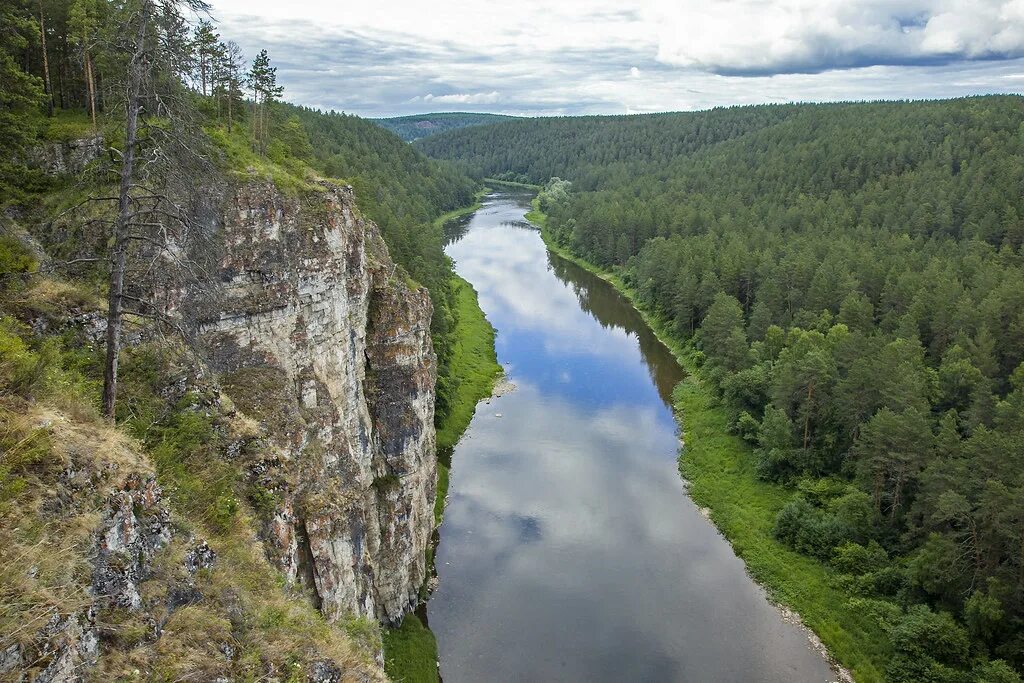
x,y
149,219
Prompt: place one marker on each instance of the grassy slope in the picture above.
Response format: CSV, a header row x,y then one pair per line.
x,y
410,652
720,469
473,362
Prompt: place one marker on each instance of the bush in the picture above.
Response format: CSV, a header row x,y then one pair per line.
x,y
18,364
14,258
855,511
997,671
926,635
810,530
856,559
983,614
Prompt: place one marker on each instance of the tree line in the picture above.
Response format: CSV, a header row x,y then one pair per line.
x,y
173,102
146,69
853,277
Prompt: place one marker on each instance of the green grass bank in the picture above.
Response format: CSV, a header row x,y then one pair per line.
x,y
719,467
462,211
410,651
475,365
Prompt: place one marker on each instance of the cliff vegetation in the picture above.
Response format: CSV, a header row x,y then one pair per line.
x,y
256,496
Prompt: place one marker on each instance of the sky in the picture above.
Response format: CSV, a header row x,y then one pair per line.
x,y
559,57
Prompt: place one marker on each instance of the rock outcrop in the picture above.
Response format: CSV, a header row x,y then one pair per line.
x,y
107,515
67,157
308,386
315,333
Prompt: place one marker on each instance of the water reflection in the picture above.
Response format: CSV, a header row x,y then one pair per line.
x,y
569,550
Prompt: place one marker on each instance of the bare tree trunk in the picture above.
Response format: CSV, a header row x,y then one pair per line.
x,y
46,62
256,120
62,60
230,93
91,84
121,225
807,418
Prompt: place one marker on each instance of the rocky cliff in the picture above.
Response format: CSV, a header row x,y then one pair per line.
x,y
306,389
316,334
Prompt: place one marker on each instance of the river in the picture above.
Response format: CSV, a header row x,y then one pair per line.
x,y
569,549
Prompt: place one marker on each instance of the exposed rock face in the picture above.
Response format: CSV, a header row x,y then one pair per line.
x,y
319,337
136,524
63,158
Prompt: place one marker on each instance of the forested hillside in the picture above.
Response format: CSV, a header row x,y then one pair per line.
x,y
593,149
418,126
139,155
399,188
853,276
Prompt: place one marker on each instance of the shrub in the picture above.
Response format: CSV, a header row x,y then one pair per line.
x,y
14,258
926,635
853,558
810,530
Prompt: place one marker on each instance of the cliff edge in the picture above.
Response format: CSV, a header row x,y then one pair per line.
x,y
266,499
318,336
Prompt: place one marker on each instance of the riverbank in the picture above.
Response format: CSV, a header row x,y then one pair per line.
x,y
410,651
462,211
718,468
524,186
475,366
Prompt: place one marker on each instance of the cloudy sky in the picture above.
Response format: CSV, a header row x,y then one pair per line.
x,y
543,57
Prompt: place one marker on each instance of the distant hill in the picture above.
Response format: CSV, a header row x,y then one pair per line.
x,y
418,126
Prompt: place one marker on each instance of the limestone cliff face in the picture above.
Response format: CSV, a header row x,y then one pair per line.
x,y
315,333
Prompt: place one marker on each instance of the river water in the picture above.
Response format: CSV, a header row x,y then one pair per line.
x,y
569,549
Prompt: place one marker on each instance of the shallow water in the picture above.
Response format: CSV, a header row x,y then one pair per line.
x,y
569,549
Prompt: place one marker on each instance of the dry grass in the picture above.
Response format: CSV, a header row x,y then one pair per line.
x,y
56,299
59,462
55,471
246,625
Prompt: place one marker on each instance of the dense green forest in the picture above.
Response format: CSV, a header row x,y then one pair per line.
x,y
853,276
418,126
594,150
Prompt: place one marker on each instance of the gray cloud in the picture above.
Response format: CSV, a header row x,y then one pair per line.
x,y
375,72
753,38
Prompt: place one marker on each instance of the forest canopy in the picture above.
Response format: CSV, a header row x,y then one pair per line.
x,y
417,126
853,278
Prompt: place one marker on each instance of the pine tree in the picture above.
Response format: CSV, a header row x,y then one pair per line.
x,y
158,49
207,49
83,23
22,94
262,79
229,77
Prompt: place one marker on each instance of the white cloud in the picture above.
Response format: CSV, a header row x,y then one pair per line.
x,y
538,58
751,36
460,98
